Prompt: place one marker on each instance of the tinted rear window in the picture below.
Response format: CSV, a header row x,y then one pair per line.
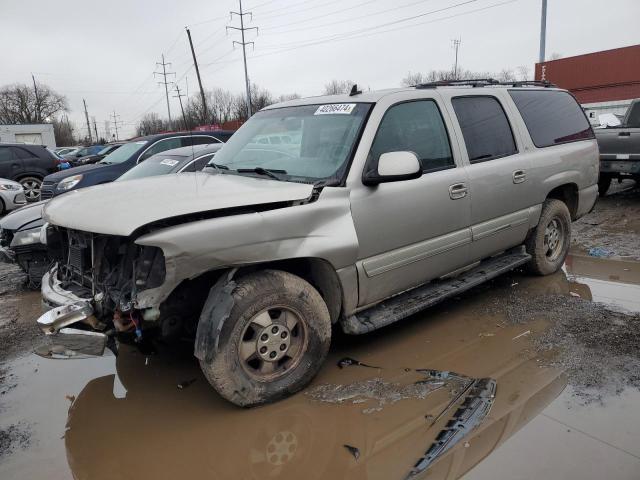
x,y
485,128
552,117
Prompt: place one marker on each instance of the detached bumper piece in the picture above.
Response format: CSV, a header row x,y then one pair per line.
x,y
474,408
75,343
57,318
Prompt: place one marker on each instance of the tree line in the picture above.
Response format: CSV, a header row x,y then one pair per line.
x,y
25,104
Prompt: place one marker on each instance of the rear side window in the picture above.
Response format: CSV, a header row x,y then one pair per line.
x,y
6,154
415,127
551,116
485,128
198,140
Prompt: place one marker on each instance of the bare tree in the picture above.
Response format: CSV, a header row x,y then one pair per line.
x,y
63,131
20,104
150,124
555,56
506,75
524,73
335,87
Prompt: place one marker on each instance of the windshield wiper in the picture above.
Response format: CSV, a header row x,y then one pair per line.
x,y
269,172
216,166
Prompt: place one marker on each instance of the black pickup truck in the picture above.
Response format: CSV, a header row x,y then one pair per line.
x,y
620,149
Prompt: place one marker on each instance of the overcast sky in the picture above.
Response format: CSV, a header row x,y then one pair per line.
x,y
105,52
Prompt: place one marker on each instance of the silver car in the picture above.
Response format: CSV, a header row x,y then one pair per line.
x,y
382,204
11,195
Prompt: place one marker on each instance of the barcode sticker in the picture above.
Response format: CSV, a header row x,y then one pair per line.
x,y
335,108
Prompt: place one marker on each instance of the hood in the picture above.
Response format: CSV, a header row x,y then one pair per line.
x,y
29,216
119,208
61,175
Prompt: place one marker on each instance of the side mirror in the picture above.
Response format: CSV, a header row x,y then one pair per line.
x,y
394,167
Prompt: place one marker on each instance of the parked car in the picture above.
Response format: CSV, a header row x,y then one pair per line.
x,y
82,152
11,196
65,150
124,158
27,165
20,239
390,202
88,159
620,149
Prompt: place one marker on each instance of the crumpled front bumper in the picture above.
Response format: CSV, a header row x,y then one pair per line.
x,y
6,255
64,309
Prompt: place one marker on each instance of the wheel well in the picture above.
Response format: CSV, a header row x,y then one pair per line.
x,y
317,272
27,175
567,193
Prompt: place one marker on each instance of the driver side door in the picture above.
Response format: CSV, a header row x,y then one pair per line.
x,y
412,231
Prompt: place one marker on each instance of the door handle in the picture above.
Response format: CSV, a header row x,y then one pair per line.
x,y
624,134
519,176
457,191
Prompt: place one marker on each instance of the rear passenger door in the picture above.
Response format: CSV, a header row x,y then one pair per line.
x,y
498,170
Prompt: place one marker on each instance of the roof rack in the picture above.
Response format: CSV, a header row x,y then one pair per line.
x,y
484,82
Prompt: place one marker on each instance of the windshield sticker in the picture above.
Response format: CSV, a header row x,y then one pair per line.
x,y
335,108
141,142
168,161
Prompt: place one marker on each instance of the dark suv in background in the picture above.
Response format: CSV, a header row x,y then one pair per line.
x,y
28,165
124,158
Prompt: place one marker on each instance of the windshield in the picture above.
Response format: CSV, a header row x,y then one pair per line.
x,y
105,150
157,165
319,141
123,153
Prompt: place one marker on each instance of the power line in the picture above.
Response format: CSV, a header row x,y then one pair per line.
x,y
164,82
244,44
86,116
195,64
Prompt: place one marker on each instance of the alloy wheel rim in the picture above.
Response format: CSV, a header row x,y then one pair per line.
x,y
31,189
272,343
553,239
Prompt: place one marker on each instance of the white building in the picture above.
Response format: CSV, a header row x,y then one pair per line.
x,y
36,134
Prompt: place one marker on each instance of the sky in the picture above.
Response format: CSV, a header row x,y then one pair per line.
x,y
106,52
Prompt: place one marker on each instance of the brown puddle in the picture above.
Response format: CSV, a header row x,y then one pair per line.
x,y
127,418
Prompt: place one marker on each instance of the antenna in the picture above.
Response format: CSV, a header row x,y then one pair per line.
x,y
244,44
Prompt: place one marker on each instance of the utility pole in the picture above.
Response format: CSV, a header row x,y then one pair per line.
x,y
179,97
456,47
165,83
244,44
195,63
543,31
95,128
86,116
115,123
35,89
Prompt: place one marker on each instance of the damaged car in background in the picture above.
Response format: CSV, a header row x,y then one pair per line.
x,y
21,239
363,219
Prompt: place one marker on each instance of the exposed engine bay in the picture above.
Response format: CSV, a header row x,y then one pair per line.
x,y
108,271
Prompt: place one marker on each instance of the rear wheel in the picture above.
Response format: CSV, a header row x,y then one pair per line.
x,y
548,243
31,187
274,341
604,182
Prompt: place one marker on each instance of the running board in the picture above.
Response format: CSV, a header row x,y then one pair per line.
x,y
412,301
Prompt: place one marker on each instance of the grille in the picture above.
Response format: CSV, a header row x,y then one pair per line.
x,y
76,258
5,237
46,190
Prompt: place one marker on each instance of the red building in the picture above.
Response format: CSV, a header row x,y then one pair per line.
x,y
598,77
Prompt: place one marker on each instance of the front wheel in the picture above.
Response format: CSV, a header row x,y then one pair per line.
x,y
274,341
548,243
31,186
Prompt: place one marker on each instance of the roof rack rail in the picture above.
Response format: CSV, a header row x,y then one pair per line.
x,y
484,82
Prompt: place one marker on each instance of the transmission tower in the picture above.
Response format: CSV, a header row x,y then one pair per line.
x,y
115,122
164,82
456,46
244,44
179,96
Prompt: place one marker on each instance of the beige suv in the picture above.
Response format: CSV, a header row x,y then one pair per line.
x,y
381,204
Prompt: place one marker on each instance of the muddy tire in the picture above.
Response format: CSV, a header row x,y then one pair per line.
x,y
548,243
604,182
273,342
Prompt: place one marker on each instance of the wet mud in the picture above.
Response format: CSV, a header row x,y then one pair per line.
x,y
562,350
614,224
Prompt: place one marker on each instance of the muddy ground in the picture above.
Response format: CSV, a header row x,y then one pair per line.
x,y
564,351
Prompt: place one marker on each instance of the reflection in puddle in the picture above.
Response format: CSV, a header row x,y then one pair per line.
x,y
132,422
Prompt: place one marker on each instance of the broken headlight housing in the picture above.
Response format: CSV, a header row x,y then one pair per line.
x,y
28,237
